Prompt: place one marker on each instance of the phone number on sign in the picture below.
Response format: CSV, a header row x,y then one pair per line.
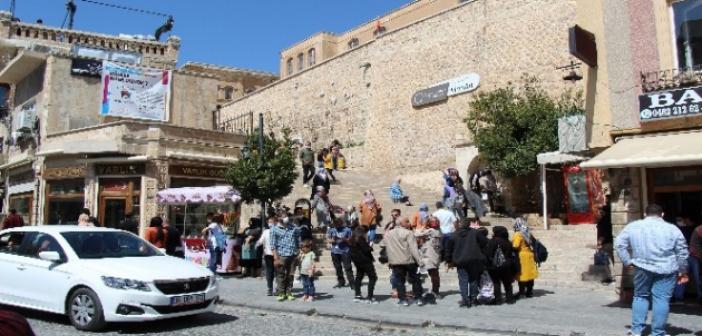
x,y
670,111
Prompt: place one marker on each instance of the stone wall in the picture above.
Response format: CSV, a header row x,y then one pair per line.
x,y
363,96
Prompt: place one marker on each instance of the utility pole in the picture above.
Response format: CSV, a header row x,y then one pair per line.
x,y
262,163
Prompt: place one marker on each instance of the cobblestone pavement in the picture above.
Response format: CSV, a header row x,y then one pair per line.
x,y
241,321
553,311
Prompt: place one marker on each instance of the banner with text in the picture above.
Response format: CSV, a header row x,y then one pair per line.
x,y
670,104
139,93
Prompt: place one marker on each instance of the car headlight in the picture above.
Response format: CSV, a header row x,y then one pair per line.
x,y
121,283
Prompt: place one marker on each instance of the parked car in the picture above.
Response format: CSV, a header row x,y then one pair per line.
x,y
99,275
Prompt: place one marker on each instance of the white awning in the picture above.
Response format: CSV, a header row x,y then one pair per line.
x,y
662,150
558,157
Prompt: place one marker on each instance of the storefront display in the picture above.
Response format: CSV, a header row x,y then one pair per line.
x,y
64,200
118,197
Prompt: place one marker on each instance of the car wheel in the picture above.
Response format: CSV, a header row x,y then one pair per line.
x,y
85,310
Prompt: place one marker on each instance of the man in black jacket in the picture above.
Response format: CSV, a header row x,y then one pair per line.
x,y
465,252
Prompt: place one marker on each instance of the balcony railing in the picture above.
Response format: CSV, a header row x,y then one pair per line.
x,y
241,124
671,79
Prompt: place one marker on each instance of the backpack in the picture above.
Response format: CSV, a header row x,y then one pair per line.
x,y
499,260
540,251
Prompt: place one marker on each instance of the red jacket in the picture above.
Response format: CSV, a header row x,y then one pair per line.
x,y
12,220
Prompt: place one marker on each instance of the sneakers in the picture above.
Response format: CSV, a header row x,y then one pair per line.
x,y
372,301
419,302
290,297
403,303
281,297
306,185
358,299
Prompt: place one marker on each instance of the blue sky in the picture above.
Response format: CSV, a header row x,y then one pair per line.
x,y
241,33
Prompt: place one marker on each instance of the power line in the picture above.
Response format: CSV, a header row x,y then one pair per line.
x,y
143,11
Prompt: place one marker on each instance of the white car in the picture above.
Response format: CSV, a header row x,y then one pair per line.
x,y
99,275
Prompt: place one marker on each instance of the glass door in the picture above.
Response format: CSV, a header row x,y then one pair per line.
x,y
112,210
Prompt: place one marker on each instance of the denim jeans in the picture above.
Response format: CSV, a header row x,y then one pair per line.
x,y
467,286
444,243
307,285
371,233
342,264
658,288
215,257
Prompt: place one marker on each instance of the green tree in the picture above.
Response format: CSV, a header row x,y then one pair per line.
x,y
267,175
510,125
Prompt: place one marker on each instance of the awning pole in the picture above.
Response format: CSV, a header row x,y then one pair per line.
x,y
544,194
185,217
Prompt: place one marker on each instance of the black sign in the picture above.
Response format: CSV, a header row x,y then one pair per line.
x,y
670,104
86,67
582,45
120,169
430,95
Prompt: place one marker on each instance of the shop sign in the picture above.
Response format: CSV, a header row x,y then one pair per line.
x,y
63,173
670,104
208,172
120,169
441,91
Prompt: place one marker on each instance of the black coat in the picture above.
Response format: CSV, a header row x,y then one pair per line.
x,y
510,265
465,250
361,253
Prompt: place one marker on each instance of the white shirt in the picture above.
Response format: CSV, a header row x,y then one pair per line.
x,y
446,220
214,229
265,240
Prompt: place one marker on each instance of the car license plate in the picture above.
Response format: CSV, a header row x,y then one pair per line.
x,y
185,300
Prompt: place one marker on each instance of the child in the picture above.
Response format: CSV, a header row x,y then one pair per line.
x,y
307,269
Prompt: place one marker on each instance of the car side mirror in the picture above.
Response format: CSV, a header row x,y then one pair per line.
x,y
52,256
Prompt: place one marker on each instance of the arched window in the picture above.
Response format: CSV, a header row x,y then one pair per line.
x,y
312,56
228,93
289,65
300,61
353,43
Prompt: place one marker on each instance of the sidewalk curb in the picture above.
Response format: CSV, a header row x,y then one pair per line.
x,y
422,325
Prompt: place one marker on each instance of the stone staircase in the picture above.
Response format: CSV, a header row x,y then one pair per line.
x,y
571,247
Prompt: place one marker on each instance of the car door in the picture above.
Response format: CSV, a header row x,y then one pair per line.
x,y
46,283
11,267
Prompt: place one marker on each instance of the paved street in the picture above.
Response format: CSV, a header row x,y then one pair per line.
x,y
553,311
240,321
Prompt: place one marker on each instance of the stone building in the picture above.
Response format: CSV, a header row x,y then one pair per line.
x,y
234,83
643,103
61,153
363,96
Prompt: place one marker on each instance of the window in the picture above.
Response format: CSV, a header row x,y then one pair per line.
x,y
688,32
108,244
37,242
228,93
10,242
289,65
353,43
312,56
300,61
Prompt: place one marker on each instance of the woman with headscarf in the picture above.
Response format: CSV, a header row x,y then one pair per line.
x,y
320,179
322,207
429,241
420,218
397,195
156,234
522,244
369,210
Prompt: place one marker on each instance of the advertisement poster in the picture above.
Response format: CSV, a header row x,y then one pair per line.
x,y
138,93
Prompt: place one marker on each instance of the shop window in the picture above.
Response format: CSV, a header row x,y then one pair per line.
x,y
64,200
687,24
312,56
300,61
289,65
23,204
353,43
117,199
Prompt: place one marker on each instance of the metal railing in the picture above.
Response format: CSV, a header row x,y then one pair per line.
x,y
671,79
241,124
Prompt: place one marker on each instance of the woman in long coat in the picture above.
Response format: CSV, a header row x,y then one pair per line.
x,y
429,238
522,243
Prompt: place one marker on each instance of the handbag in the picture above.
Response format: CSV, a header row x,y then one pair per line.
x,y
383,257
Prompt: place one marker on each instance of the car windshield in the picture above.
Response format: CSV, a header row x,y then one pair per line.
x,y
108,244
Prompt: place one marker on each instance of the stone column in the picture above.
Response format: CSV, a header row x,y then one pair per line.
x,y
156,178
